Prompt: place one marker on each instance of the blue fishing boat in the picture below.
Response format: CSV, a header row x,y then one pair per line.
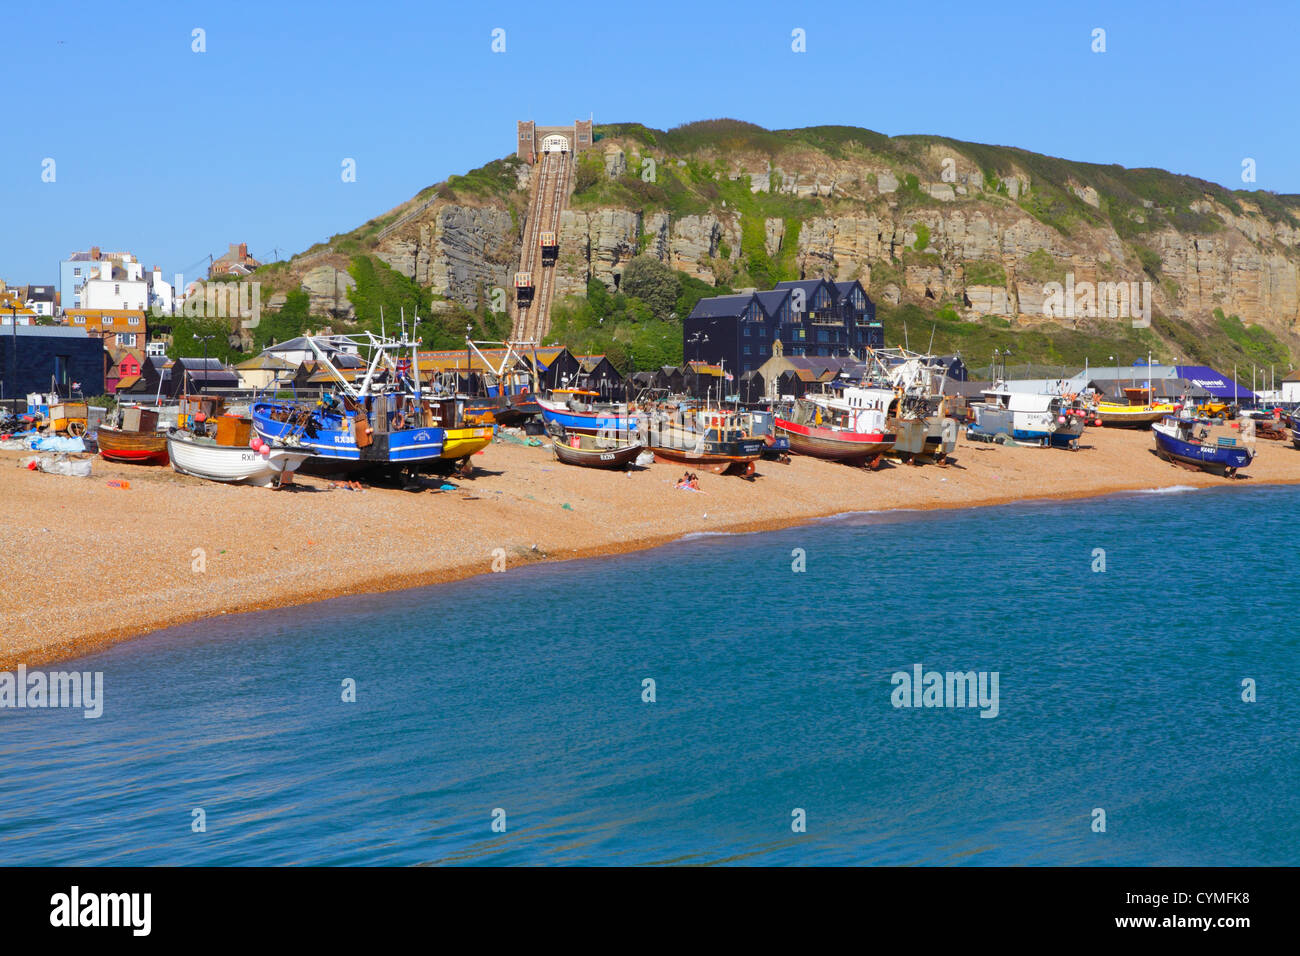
x,y
1196,443
574,410
384,423
343,438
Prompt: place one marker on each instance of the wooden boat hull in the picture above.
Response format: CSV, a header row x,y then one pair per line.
x,y
852,448
133,448
731,457
231,463
595,457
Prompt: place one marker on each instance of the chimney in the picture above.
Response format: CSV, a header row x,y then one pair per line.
x,y
243,250
94,252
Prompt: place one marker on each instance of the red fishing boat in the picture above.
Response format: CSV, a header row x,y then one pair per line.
x,y
852,427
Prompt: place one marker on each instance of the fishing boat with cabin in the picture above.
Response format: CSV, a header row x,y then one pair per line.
x,y
714,440
1028,417
849,426
1140,410
385,424
1204,445
578,410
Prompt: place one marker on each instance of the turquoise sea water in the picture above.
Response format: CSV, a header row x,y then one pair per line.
x,y
522,691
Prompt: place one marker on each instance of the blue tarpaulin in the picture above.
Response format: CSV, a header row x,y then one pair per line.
x,y
1216,383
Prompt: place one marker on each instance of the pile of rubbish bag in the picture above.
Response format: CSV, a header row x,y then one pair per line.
x,y
59,464
35,442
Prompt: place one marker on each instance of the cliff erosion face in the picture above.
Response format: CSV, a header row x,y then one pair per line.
x,y
930,225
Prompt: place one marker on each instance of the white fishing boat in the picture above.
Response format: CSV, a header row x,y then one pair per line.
x,y
1026,417
203,457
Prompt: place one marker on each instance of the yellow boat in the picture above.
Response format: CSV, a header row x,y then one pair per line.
x,y
463,442
1139,412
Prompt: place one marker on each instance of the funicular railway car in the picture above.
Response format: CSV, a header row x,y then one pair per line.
x,y
523,288
550,248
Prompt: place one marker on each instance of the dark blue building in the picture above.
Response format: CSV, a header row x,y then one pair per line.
x,y
811,317
34,356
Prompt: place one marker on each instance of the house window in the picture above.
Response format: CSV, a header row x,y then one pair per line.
x,y
108,319
61,369
746,349
126,339
133,320
76,271
117,289
79,320
747,331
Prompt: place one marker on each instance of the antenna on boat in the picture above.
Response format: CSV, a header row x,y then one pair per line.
x,y
929,349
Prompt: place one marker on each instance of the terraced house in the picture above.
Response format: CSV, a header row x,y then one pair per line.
x,y
809,317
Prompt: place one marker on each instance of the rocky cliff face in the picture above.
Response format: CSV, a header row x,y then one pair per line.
x,y
910,231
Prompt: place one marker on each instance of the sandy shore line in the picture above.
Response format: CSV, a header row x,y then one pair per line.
x,y
87,565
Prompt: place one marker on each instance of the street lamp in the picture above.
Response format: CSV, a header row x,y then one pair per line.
x,y
204,339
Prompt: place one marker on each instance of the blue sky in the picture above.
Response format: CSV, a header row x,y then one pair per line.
x,y
172,154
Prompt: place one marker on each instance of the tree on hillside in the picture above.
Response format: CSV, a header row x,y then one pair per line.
x,y
598,298
654,283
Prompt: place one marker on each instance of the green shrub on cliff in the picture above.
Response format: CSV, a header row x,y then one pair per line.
x,y
654,283
983,272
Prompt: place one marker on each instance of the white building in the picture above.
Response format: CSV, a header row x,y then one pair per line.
x,y
116,286
161,294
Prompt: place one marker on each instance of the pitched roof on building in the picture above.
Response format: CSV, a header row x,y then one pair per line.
x,y
771,301
722,306
265,361
50,331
